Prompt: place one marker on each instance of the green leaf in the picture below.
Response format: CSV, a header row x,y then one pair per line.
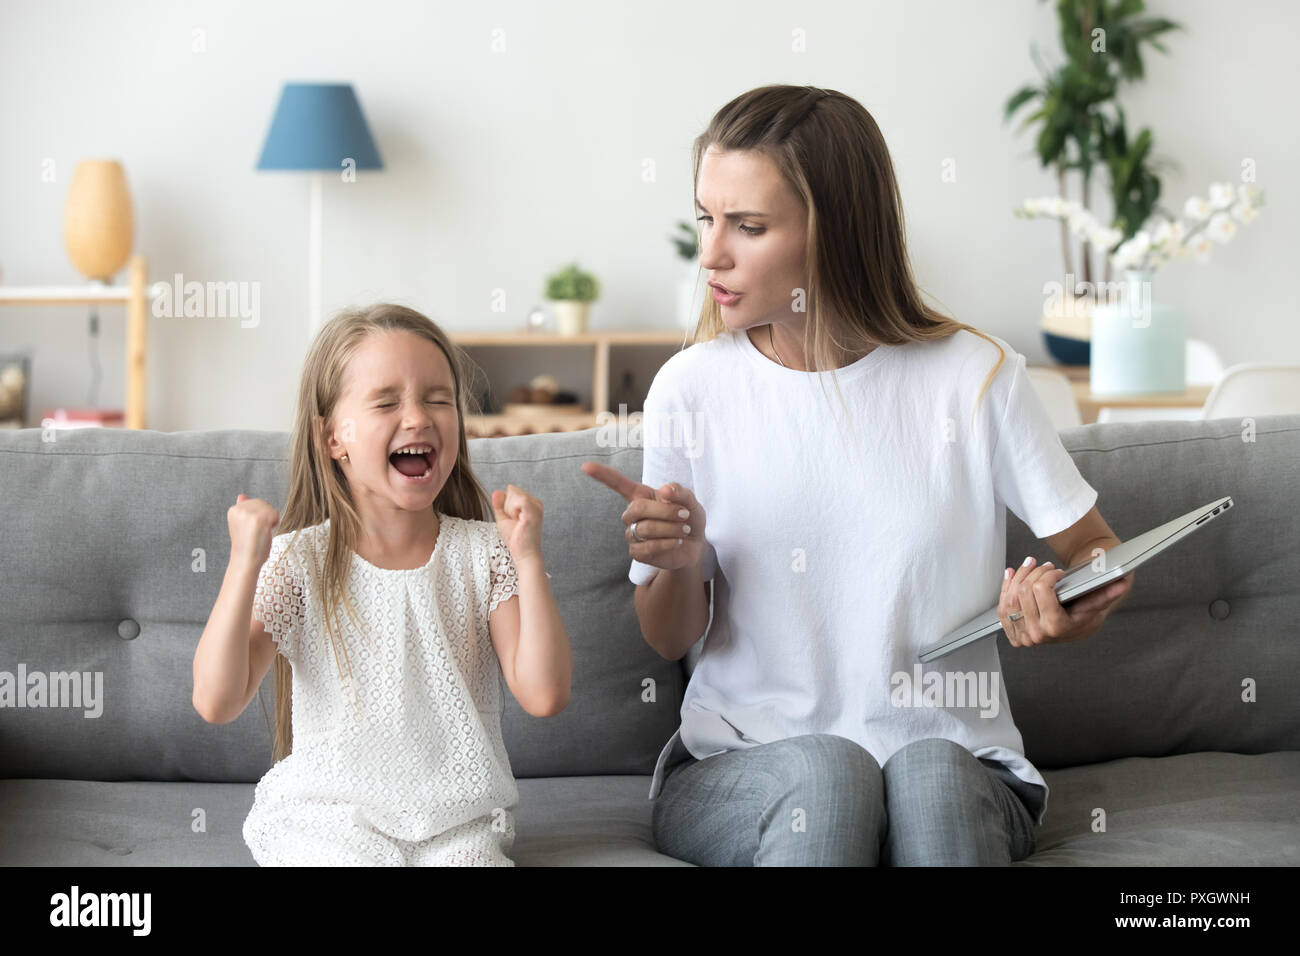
x,y
1021,97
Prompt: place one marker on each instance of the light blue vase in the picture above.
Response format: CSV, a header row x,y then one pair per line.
x,y
1138,347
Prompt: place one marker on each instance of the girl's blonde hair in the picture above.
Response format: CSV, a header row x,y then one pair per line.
x,y
830,151
318,489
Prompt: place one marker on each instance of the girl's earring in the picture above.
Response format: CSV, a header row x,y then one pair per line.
x,y
345,456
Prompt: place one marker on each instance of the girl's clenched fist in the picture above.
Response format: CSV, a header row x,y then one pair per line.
x,y
252,524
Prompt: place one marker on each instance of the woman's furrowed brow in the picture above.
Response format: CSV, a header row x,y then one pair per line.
x,y
735,215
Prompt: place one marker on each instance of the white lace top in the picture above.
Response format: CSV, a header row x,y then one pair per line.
x,y
414,763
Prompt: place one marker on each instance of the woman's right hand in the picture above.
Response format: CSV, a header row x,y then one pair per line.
x,y
252,526
671,540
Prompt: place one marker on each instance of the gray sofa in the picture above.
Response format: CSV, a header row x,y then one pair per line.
x,y
115,543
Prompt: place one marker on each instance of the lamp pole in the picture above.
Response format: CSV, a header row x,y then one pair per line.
x,y
314,256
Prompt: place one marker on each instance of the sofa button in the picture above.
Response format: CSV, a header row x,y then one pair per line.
x,y
1219,609
128,630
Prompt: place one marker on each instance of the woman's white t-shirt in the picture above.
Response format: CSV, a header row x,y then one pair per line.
x,y
839,548
415,768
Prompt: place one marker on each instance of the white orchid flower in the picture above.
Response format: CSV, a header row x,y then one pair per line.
x,y
1103,238
1222,195
1131,252
1160,240
1243,212
1221,228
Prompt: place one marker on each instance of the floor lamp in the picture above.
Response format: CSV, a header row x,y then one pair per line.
x,y
318,128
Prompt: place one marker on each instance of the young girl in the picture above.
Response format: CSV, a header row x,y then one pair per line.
x,y
397,756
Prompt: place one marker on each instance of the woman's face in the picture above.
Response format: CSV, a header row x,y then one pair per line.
x,y
759,254
398,390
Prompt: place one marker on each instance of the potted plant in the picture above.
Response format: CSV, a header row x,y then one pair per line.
x,y
1081,127
572,291
692,286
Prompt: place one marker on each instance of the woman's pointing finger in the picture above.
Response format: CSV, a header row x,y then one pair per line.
x,y
625,486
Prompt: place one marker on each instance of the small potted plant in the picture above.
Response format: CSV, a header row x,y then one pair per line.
x,y
572,291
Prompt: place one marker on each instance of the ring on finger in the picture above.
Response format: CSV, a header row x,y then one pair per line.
x,y
1015,616
635,536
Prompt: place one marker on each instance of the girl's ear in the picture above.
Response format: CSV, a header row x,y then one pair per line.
x,y
323,437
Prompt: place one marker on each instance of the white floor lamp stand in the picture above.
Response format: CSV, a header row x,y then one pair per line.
x,y
314,257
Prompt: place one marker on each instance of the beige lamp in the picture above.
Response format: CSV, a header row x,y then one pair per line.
x,y
98,227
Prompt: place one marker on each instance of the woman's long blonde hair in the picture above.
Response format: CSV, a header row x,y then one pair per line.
x,y
318,489
830,151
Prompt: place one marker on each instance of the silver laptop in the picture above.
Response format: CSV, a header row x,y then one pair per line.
x,y
1080,579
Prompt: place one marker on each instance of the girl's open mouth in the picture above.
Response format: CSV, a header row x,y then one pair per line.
x,y
414,469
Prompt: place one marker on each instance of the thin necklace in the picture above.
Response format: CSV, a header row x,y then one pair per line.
x,y
773,341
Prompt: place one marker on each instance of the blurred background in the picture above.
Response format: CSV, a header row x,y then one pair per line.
x,y
514,139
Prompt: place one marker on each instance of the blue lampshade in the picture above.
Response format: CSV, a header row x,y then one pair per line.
x,y
317,126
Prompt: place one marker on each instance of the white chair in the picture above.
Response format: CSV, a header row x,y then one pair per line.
x,y
1255,388
1204,367
1057,397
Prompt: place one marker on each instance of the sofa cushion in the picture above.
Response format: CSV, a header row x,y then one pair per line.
x,y
626,699
1205,809
1209,619
116,543
1210,809
561,821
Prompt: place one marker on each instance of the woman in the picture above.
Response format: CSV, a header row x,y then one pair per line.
x,y
842,535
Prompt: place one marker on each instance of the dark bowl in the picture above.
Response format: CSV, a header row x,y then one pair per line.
x,y
1068,351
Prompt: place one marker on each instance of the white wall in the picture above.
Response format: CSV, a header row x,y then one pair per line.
x,y
502,166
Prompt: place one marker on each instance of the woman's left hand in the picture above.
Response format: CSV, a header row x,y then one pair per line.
x,y
1031,591
519,519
